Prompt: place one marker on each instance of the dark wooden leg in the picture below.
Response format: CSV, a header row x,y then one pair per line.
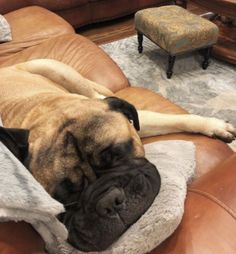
x,y
140,42
171,62
207,54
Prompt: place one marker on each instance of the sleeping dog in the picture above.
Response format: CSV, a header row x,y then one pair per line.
x,y
85,147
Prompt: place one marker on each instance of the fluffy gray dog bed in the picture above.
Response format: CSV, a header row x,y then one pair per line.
x,y
22,198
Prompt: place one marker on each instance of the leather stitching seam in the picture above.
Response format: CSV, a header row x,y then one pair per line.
x,y
214,199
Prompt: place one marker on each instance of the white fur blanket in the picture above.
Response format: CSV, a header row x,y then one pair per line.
x,y
23,198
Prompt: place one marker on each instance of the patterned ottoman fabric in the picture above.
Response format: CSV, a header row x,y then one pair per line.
x,y
175,29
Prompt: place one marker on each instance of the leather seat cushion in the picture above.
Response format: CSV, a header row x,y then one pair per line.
x,y
209,222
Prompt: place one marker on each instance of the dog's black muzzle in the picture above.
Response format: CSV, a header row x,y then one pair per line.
x,y
111,204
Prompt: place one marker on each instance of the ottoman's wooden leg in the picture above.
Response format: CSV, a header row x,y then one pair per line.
x,y
206,54
171,62
140,42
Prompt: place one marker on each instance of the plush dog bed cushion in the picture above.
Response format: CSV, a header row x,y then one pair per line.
x,y
5,30
175,161
22,198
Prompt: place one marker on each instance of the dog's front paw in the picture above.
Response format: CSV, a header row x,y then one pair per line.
x,y
217,128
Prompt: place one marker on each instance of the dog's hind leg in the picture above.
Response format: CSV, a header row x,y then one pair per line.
x,y
152,123
65,76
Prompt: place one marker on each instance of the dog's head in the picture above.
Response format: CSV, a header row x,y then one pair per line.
x,y
95,166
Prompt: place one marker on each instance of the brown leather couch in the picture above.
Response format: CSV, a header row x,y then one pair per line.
x,y
82,12
209,222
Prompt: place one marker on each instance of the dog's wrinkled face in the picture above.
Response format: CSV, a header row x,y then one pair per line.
x,y
102,177
111,204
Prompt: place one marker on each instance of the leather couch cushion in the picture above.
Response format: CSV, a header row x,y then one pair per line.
x,y
209,152
20,238
31,26
209,222
219,185
78,52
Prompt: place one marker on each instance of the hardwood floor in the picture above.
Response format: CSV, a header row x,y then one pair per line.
x,y
109,31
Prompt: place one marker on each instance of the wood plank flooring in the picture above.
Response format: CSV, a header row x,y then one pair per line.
x,y
117,29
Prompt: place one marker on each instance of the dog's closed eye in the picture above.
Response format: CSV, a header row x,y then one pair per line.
x,y
112,154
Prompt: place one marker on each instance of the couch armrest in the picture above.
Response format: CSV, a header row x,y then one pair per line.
x,y
20,238
78,52
31,26
209,222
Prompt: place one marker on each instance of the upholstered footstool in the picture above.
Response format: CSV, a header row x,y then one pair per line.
x,y
177,31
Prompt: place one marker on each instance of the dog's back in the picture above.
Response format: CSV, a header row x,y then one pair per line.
x,y
20,91
17,83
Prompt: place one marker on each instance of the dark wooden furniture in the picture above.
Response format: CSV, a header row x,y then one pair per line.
x,y
82,12
182,3
171,58
225,19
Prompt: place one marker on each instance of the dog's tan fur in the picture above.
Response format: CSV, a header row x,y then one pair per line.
x,y
41,95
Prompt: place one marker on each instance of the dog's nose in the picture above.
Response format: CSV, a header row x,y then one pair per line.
x,y
111,203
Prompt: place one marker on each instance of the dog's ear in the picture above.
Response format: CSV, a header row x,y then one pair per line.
x,y
124,107
16,140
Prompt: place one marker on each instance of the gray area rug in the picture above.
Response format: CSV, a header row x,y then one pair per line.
x,y
210,92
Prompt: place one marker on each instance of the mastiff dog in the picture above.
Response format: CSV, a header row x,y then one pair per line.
x,y
85,148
